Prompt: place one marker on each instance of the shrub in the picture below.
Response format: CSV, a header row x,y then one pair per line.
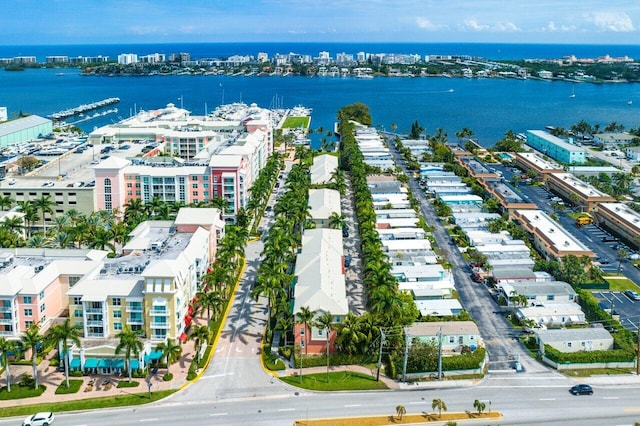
x,y
167,377
74,386
587,357
127,384
271,362
76,373
55,362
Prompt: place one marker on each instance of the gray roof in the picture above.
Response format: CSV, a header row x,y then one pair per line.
x,y
570,334
21,124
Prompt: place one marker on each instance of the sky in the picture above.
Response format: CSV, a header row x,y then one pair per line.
x,y
44,22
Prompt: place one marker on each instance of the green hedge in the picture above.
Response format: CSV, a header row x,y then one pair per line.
x,y
74,387
468,361
127,384
622,338
586,357
337,359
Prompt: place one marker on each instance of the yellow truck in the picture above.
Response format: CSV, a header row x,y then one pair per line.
x,y
585,219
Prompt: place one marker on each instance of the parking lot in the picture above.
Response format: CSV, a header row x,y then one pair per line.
x,y
629,310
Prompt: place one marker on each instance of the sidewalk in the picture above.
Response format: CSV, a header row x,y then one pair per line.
x,y
49,377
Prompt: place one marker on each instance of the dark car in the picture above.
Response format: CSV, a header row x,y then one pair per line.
x,y
581,389
347,261
345,232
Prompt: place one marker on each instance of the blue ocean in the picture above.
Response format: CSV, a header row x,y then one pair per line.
x,y
489,107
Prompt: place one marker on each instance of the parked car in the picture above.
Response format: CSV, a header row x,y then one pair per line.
x,y
40,419
581,389
632,295
347,261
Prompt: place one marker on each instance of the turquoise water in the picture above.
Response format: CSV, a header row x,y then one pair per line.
x,y
504,156
489,107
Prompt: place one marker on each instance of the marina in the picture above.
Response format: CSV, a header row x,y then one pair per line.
x,y
81,109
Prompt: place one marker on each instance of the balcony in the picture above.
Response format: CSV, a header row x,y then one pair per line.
x,y
4,308
6,333
94,311
95,323
135,309
8,321
95,335
159,312
135,321
164,325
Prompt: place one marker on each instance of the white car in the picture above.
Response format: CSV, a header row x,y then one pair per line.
x,y
40,419
11,181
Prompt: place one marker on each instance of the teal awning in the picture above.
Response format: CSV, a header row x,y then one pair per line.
x,y
117,363
155,355
90,363
104,363
75,363
135,364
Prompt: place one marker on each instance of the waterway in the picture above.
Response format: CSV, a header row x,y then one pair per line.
x,y
489,107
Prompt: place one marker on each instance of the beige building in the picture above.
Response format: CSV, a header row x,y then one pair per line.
x,y
323,203
576,191
620,220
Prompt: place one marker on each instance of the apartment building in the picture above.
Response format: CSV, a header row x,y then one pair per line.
x,y
620,220
577,191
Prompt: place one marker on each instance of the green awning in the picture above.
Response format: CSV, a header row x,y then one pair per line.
x,y
90,363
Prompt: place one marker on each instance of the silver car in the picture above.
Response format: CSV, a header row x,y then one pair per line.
x,y
39,419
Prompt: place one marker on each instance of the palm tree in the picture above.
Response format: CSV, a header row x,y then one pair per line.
x,y
61,334
401,411
479,405
336,221
33,339
212,301
44,205
131,345
325,321
30,214
7,346
284,324
13,224
305,318
170,351
199,335
622,255
271,287
438,404
134,211
6,202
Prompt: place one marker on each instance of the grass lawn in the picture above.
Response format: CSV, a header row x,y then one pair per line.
x,y
621,284
20,392
271,362
121,400
339,381
588,372
127,384
395,419
295,122
74,386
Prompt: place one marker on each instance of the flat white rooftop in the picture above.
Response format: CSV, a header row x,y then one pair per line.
x,y
631,217
578,185
538,162
552,230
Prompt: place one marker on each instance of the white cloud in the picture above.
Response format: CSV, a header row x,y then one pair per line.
x,y
473,25
614,21
500,27
552,27
145,30
426,24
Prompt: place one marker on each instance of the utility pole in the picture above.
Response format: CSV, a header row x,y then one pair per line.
x,y
440,353
638,351
407,341
382,338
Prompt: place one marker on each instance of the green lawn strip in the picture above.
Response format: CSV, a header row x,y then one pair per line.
x,y
126,384
271,362
588,372
295,122
340,381
87,404
74,386
20,392
621,284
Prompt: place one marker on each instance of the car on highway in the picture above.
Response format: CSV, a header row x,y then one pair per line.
x,y
39,419
581,389
48,184
632,295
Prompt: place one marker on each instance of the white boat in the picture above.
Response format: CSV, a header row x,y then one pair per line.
x,y
573,92
629,102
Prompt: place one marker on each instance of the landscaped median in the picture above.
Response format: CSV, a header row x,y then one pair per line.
x,y
400,420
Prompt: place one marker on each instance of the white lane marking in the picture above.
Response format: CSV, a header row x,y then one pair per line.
x,y
610,397
286,409
148,420
219,414
417,402
547,399
352,405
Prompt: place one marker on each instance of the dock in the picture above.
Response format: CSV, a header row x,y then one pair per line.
x,y
81,109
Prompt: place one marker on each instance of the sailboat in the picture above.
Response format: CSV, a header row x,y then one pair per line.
x,y
573,92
